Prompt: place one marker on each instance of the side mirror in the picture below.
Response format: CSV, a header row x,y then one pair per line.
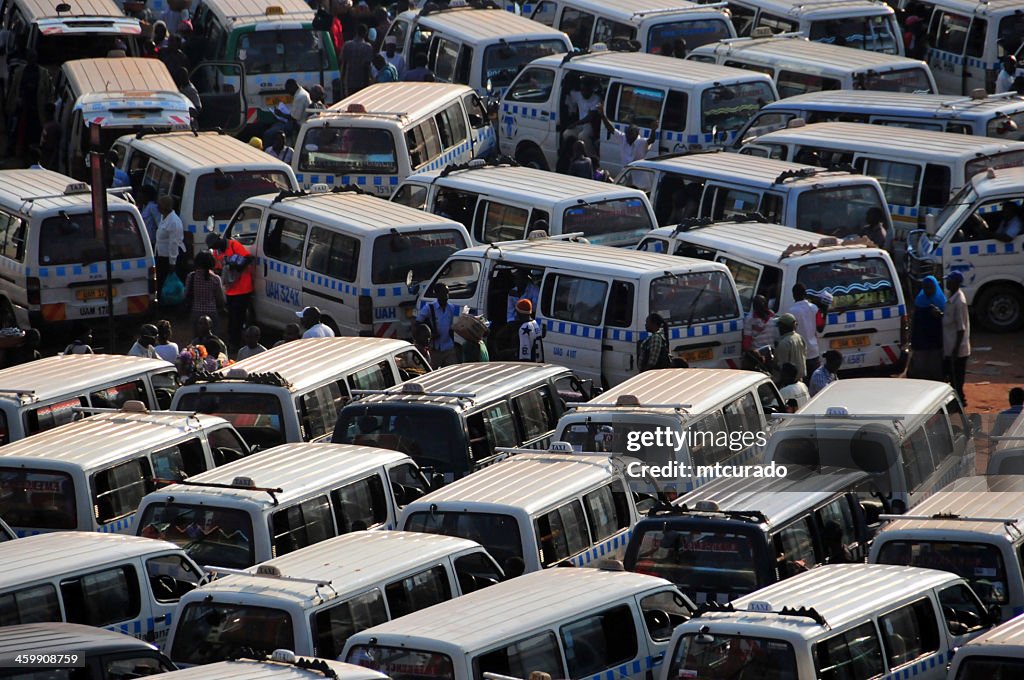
x,y
995,615
929,224
436,480
414,288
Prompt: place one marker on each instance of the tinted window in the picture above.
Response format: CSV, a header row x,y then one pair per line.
x,y
333,627
711,561
333,254
498,534
533,86
422,253
700,297
318,409
852,655
52,415
561,533
285,240
536,413
502,62
909,633
433,437
980,564
213,631
577,300
360,505
12,237
219,194
840,211
521,658
103,597
118,490
74,239
599,642
475,571
616,222
37,604
256,416
607,510
418,591
40,499
300,525
963,611
497,222
170,577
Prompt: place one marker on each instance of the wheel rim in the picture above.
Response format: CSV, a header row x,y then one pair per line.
x,y
1004,309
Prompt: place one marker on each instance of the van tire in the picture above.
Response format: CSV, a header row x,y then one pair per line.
x,y
1000,308
530,156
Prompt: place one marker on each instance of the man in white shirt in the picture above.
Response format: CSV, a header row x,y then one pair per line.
x,y
632,147
392,56
806,313
956,333
1007,74
1010,225
311,324
143,347
585,102
279,150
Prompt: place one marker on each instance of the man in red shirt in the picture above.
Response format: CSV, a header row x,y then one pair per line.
x,y
234,264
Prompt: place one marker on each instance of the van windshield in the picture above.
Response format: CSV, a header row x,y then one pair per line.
x,y
617,222
400,663
212,536
1008,126
348,150
214,631
72,238
910,80
256,415
55,49
433,436
498,534
700,297
695,32
854,284
619,436
220,193
727,108
997,161
292,51
873,33
732,656
503,62
980,564
720,562
838,210
37,499
422,252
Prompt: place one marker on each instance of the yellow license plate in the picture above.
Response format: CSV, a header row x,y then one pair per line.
x,y
698,355
851,342
93,294
276,99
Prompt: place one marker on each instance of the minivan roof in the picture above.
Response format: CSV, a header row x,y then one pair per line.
x,y
636,10
673,72
483,25
47,9
989,496
235,13
806,55
879,396
44,556
761,241
397,101
943,106
118,74
350,563
479,619
54,376
249,669
32,638
822,8
765,173
296,469
1005,180
103,439
1009,634
29,191
189,151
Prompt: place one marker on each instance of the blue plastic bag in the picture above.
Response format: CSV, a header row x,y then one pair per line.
x,y
173,290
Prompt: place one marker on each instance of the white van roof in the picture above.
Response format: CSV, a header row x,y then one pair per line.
x,y
395,101
990,496
762,241
1005,180
53,376
350,563
29,191
805,55
248,669
524,184
675,73
532,482
475,621
103,439
118,74
296,469
822,9
699,389
942,106
879,396
996,640
189,151
634,11
80,9
43,556
765,173
43,638
235,13
475,26
989,8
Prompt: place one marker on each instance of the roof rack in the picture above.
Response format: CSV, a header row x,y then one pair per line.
x,y
17,391
241,483
686,8
286,657
802,173
478,163
272,572
416,389
666,509
304,193
628,401
1010,523
134,407
761,607
835,413
430,8
272,378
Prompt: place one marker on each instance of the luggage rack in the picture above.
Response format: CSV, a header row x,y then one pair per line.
x,y
1009,523
664,509
242,483
760,607
286,657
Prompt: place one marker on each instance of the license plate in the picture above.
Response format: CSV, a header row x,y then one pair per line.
x,y
698,355
851,342
276,99
93,294
410,313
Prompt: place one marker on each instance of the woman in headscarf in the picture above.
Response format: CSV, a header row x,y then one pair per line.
x,y
926,332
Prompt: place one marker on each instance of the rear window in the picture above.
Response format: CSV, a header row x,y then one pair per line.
x,y
990,668
980,564
345,150
432,436
52,415
854,284
701,297
220,193
37,499
498,534
210,535
257,416
840,210
618,222
74,239
291,51
1007,159
727,108
422,252
718,562
403,664
503,62
901,80
212,631
54,50
695,32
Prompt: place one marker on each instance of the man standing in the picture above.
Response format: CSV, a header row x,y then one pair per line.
x,y
279,150
632,146
956,334
524,288
791,348
825,374
1008,416
143,347
530,333
393,57
439,316
312,325
806,314
234,264
355,62
385,72
1007,74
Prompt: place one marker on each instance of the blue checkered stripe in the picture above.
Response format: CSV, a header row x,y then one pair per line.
x,y
136,628
867,315
526,9
200,227
632,669
980,249
81,269
609,548
924,665
331,283
117,526
972,62
524,111
622,335
677,137
344,180
905,210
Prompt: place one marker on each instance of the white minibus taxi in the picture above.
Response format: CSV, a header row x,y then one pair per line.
x,y
695,105
310,492
835,621
798,65
594,302
42,394
207,174
567,623
969,528
346,253
52,257
90,475
292,393
722,186
652,24
500,202
379,136
911,435
997,654
484,48
126,584
861,24
537,510
867,319
312,600
722,402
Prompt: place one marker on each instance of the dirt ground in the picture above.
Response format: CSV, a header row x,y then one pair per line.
x,y
996,365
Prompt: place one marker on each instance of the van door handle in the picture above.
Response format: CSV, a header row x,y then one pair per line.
x,y
658,658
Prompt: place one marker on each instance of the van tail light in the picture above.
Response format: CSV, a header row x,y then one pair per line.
x,y
152,280
33,288
365,309
904,331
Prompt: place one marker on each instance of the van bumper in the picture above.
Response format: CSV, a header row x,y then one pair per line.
x,y
894,369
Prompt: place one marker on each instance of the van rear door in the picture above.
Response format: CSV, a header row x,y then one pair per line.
x,y
221,86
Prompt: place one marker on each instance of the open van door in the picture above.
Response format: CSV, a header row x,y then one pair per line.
x,y
221,86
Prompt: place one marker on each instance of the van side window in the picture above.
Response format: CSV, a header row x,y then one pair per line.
x,y
793,83
452,124
418,591
662,613
423,143
536,412
794,547
639,105
333,627
935,187
170,577
497,222
407,482
577,300
771,402
464,65
37,604
561,533
917,460
444,62
226,445
938,437
360,505
578,25
731,203
376,377
333,254
116,396
776,23
285,240
910,632
706,448
957,420
120,489
179,461
318,410
103,597
852,655
52,415
522,657
132,666
12,237
962,609
476,571
533,86
899,180
837,524
456,205
601,641
461,277
411,195
949,33
607,510
741,415
620,305
411,364
300,525
475,110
